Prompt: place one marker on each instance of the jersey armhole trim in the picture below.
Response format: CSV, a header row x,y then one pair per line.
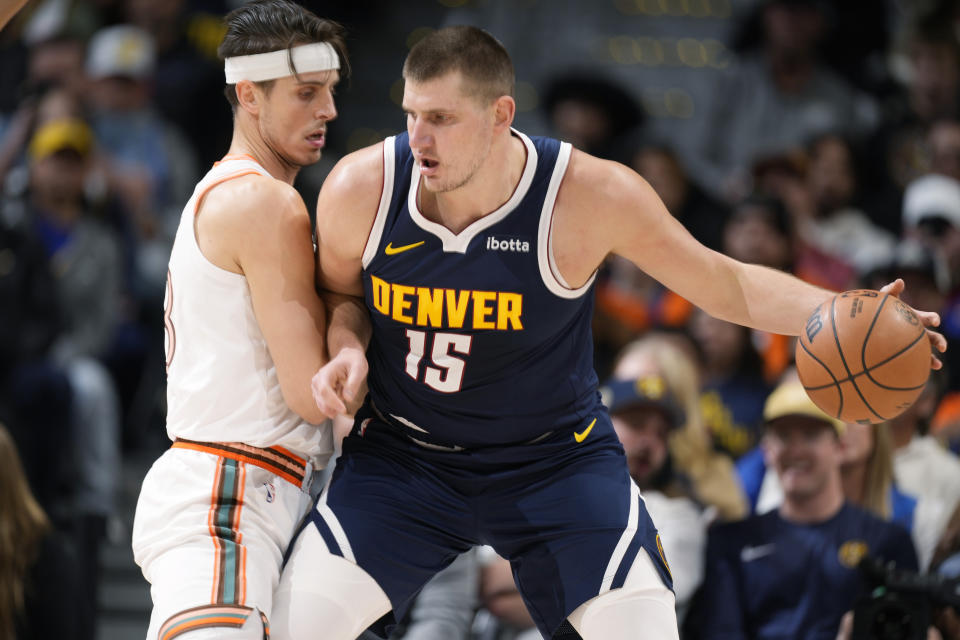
x,y
386,195
201,194
548,268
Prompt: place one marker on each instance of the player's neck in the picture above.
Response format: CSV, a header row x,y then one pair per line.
x,y
815,508
488,189
247,142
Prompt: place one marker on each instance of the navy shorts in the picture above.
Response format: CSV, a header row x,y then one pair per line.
x,y
565,513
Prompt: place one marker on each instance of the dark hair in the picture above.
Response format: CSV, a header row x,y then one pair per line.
x,y
776,211
589,87
261,26
476,54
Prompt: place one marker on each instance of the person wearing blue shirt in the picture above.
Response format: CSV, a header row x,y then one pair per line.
x,y
792,572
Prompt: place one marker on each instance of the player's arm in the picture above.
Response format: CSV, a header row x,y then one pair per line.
x,y
259,227
607,208
346,208
8,9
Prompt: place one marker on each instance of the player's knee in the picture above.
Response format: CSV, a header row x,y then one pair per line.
x,y
644,602
321,591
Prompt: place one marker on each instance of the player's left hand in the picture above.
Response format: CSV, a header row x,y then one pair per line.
x,y
337,384
929,319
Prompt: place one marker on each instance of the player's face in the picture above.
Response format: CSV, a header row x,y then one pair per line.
x,y
293,121
804,452
451,131
643,434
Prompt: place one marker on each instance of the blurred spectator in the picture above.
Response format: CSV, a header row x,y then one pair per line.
x,y
57,61
867,474
775,99
928,63
702,215
38,569
792,572
35,395
592,113
187,82
85,262
943,141
833,223
83,252
734,387
931,213
644,413
672,357
866,470
923,468
151,163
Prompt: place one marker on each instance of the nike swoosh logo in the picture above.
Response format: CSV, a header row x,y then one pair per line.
x,y
580,437
392,250
749,554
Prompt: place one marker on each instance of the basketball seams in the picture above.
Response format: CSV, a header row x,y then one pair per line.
x,y
835,383
866,370
896,355
843,358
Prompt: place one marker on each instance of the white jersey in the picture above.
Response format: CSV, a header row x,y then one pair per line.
x,y
222,383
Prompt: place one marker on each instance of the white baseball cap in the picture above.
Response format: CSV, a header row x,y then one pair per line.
x,y
932,196
121,50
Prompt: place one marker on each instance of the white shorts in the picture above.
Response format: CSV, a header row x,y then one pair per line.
x,y
213,522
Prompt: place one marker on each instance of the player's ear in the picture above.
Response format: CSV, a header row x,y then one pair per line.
x,y
248,97
504,110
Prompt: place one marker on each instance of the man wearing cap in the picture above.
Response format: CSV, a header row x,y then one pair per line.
x,y
931,213
644,412
151,165
244,336
792,572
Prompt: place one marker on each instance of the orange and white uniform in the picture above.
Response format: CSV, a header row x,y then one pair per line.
x,y
217,510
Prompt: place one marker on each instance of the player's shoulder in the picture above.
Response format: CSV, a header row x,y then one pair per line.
x,y
253,201
358,170
591,178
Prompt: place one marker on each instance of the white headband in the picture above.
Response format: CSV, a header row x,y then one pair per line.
x,y
258,67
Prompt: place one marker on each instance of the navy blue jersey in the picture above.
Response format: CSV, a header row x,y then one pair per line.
x,y
767,578
476,339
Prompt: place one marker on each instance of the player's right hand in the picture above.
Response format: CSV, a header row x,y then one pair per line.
x,y
337,384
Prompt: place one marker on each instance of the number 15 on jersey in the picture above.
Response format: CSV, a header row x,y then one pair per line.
x,y
444,371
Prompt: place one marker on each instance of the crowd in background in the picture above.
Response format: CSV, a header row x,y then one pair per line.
x,y
823,139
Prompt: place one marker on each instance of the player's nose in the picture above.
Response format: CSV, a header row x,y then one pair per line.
x,y
327,109
420,136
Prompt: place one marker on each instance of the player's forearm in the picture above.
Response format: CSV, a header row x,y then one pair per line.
x,y
348,323
9,8
762,298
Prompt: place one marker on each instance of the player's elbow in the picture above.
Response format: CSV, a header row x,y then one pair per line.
x,y
307,409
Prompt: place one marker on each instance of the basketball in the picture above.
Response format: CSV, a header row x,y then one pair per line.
x,y
863,356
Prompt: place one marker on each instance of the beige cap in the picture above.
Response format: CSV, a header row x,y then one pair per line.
x,y
790,399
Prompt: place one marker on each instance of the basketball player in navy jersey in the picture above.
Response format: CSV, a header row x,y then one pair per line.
x,y
475,248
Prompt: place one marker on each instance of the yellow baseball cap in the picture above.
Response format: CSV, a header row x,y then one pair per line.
x,y
790,399
58,135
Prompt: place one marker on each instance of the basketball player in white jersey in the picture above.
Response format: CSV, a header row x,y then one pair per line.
x,y
245,333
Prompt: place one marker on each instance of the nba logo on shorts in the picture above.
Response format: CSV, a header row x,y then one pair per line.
x,y
270,490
